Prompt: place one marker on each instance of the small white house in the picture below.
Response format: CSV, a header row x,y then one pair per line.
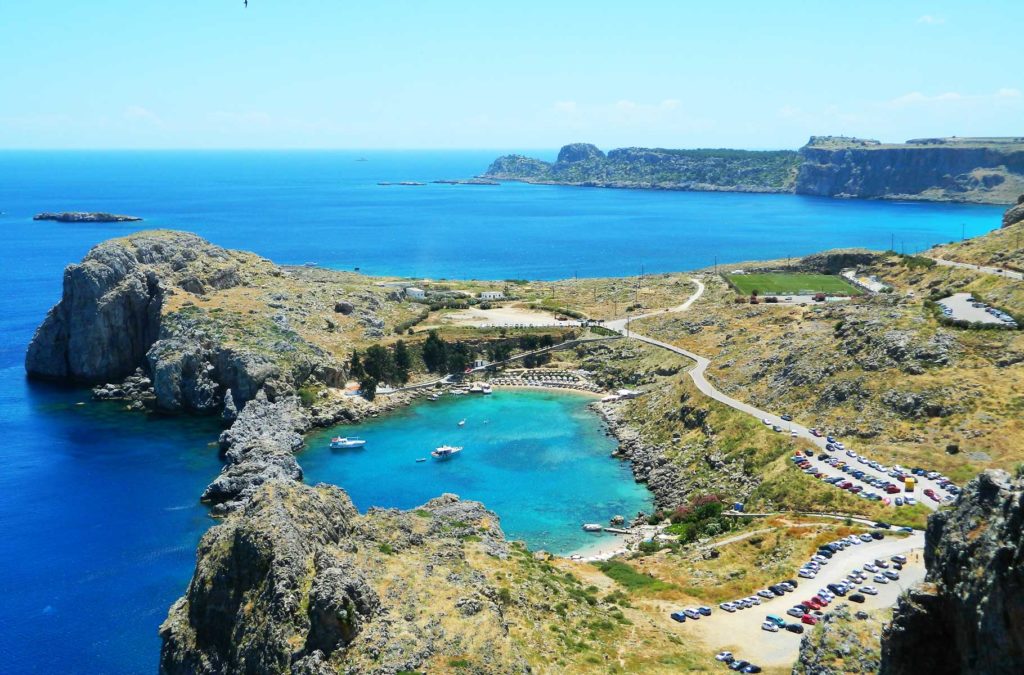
x,y
492,295
415,293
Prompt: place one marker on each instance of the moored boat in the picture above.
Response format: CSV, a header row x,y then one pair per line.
x,y
341,443
462,423
446,452
592,527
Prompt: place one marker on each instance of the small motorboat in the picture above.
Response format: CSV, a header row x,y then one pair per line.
x,y
420,459
487,389
477,388
462,423
592,527
446,452
434,397
340,443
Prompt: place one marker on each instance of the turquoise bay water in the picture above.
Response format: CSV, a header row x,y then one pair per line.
x,y
98,510
539,459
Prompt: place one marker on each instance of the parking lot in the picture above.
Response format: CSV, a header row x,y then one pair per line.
x,y
741,632
961,307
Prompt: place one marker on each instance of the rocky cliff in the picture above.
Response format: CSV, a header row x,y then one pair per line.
x,y
1015,213
969,615
299,582
948,169
987,170
655,168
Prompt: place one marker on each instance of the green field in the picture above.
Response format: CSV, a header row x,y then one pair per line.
x,y
791,284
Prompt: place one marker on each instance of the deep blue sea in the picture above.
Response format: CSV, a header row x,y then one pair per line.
x,y
98,509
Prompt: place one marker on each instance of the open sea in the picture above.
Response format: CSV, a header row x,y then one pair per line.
x,y
99,512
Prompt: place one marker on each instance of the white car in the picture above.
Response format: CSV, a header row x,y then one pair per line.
x,y
910,501
722,656
806,574
869,590
879,579
728,607
765,593
754,600
866,538
868,567
767,421
770,626
855,540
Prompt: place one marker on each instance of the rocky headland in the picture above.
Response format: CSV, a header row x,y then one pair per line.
x,y
85,217
984,170
968,616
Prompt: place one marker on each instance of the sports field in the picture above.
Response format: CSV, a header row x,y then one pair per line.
x,y
792,284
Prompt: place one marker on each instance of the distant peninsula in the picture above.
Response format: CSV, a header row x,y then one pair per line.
x,y
85,217
979,170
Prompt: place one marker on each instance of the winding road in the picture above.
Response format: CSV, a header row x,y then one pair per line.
x,y
697,374
998,271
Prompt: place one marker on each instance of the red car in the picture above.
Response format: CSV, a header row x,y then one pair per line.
x,y
892,489
846,485
820,600
816,433
808,619
811,604
934,497
930,492
856,488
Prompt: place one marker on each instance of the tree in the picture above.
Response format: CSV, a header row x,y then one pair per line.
x,y
379,364
356,366
368,387
403,362
435,353
459,357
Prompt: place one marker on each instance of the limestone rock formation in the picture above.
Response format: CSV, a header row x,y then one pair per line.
x,y
108,315
953,169
578,152
299,582
968,616
1015,213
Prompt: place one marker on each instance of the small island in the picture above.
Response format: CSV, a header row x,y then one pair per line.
x,y
85,217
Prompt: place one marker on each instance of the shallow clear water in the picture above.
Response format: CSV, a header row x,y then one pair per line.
x,y
539,459
99,511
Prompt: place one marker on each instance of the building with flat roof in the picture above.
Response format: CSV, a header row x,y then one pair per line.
x,y
492,295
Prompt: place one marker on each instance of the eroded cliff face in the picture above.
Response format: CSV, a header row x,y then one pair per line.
x,y
968,616
299,582
972,170
1015,213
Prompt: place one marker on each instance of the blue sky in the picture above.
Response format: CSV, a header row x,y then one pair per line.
x,y
335,74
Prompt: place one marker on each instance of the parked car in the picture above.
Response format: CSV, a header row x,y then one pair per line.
x,y
856,597
691,614
892,574
728,607
902,559
866,537
678,616
765,593
751,668
796,611
809,620
724,656
787,418
879,579
870,568
770,627
870,590
794,628
861,614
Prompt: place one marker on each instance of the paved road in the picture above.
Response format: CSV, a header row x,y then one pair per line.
x,y
697,375
998,271
741,632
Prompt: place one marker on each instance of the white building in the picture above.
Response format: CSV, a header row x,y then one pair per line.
x,y
492,295
415,293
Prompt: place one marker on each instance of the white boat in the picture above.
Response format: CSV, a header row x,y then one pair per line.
x,y
446,452
340,443
477,388
591,527
434,397
487,389
462,423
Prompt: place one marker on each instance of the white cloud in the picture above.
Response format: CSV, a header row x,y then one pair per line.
x,y
137,113
931,20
